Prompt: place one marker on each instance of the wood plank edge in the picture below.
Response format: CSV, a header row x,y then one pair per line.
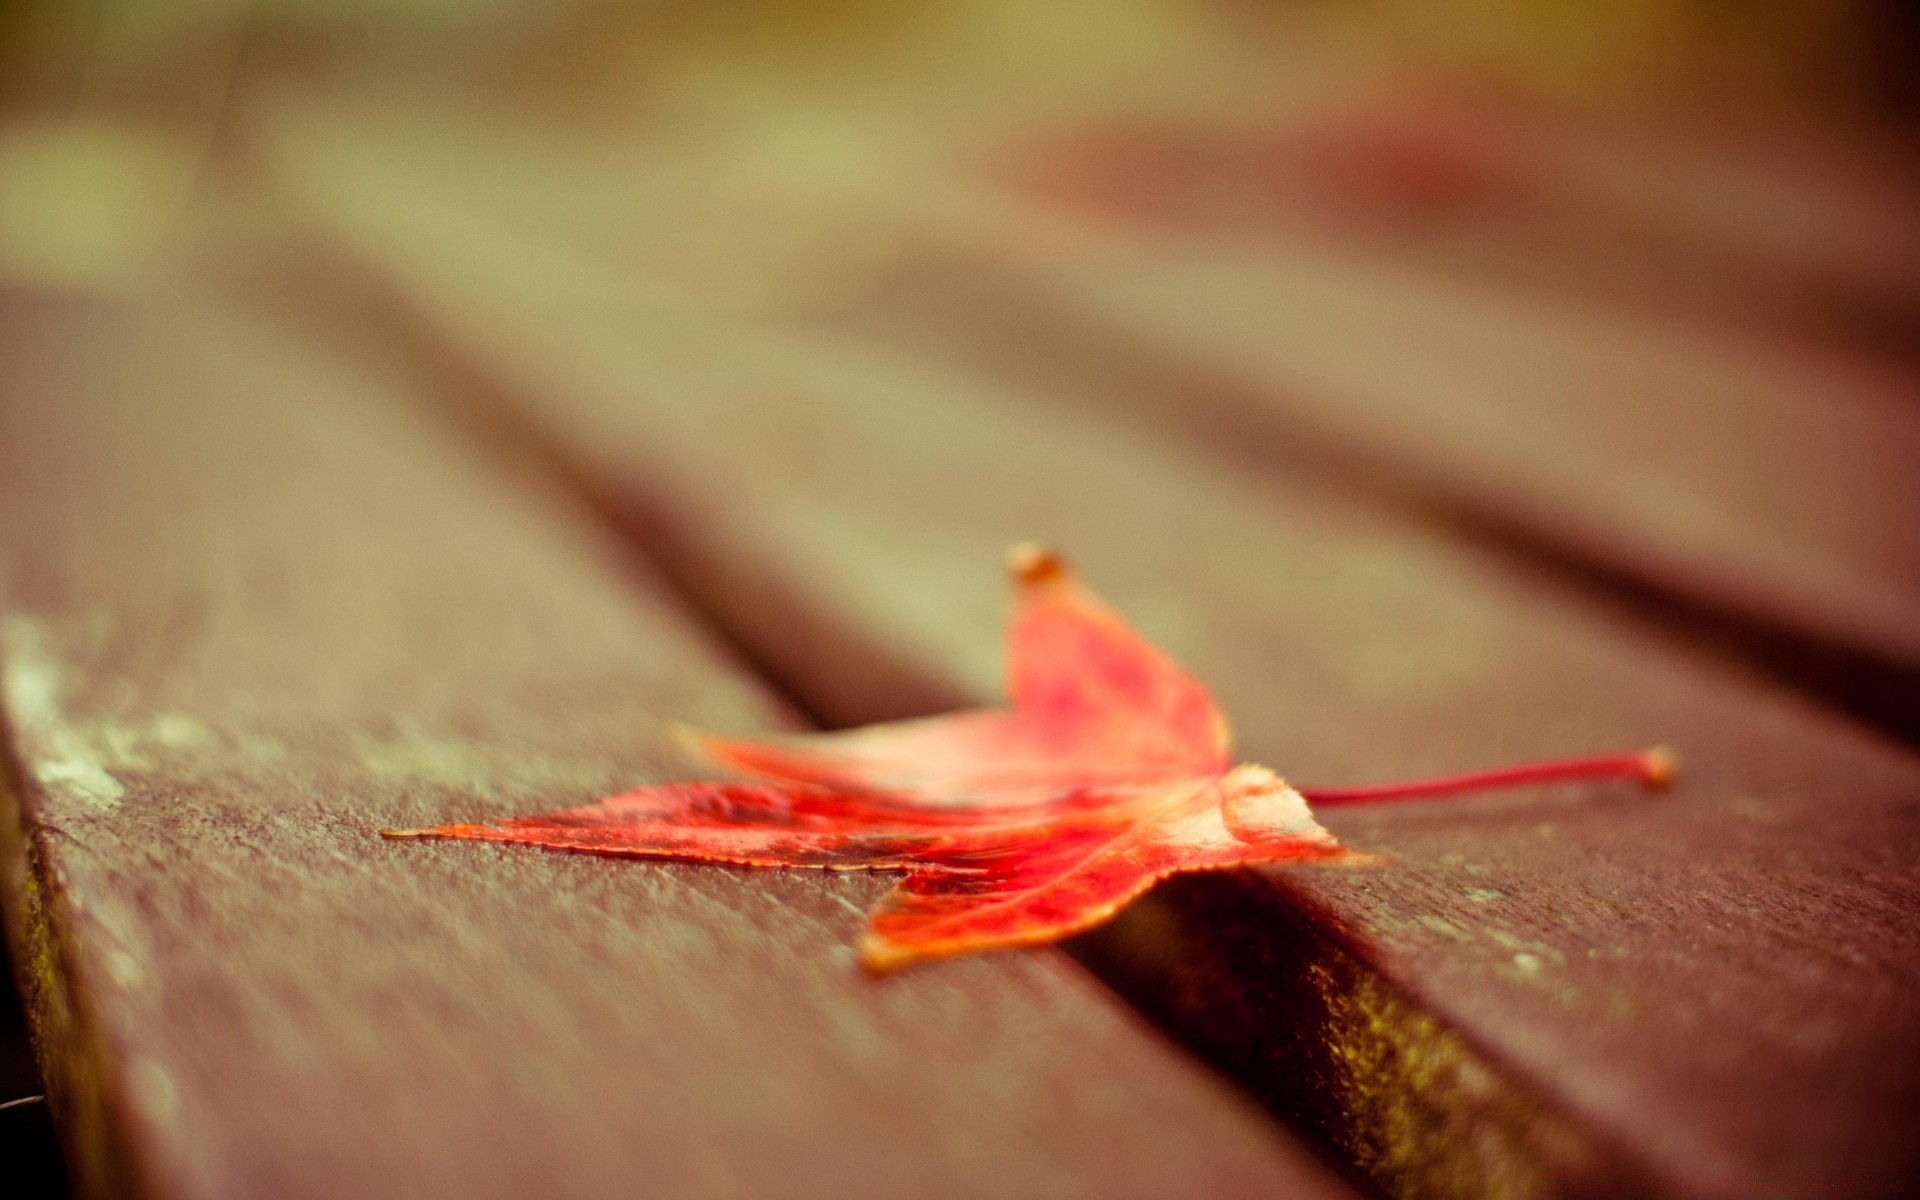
x,y
69,1044
1271,991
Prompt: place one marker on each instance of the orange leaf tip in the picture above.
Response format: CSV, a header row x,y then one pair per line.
x,y
1032,564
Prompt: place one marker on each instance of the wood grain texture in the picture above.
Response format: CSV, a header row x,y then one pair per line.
x,y
1760,482
255,610
1706,992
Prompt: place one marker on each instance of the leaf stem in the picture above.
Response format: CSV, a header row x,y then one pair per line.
x,y
1654,768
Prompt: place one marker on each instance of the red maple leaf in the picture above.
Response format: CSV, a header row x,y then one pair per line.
x,y
1108,772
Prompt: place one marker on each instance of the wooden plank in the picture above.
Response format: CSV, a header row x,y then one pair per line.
x,y
1702,993
1757,487
255,610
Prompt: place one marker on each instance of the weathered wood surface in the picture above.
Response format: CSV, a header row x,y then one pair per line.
x,y
1704,992
1761,481
255,610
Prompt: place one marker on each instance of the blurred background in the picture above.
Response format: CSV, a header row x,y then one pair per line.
x,y
1734,185
773,152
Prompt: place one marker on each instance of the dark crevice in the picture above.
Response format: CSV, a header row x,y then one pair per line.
x,y
29,1150
1871,688
1261,983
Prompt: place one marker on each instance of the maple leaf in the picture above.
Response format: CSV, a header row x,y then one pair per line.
x,y
1108,771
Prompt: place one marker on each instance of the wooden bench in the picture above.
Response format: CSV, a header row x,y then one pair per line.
x,y
1477,1018
415,503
